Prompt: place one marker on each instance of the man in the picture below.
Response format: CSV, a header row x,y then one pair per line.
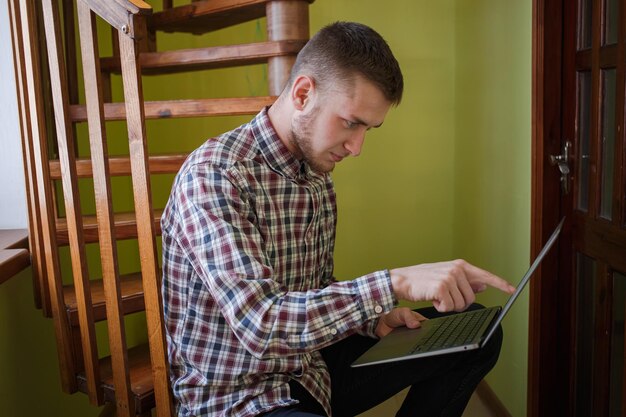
x,y
256,322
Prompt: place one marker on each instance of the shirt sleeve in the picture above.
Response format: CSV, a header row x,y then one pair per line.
x,y
215,226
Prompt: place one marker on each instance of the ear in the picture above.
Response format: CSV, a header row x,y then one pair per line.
x,y
302,92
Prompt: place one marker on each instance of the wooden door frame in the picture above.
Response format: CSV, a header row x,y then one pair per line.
x,y
548,368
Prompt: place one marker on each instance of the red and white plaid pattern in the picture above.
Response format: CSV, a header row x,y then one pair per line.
x,y
248,289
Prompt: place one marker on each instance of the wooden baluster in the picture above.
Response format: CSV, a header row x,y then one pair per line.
x,y
286,20
69,38
40,49
102,187
65,137
107,86
40,153
35,236
146,233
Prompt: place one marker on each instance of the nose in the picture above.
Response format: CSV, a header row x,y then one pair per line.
x,y
355,143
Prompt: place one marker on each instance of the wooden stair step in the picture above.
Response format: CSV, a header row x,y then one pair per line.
x,y
141,382
125,227
167,62
132,298
13,238
120,165
12,261
206,16
181,108
14,252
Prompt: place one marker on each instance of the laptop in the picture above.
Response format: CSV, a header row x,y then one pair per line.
x,y
453,333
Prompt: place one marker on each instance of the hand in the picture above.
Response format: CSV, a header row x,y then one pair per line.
x,y
450,285
398,317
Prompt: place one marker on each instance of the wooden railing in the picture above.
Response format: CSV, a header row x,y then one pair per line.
x,y
134,378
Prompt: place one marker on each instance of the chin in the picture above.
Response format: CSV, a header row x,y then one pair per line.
x,y
322,168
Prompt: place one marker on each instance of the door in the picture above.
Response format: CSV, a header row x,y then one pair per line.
x,y
576,352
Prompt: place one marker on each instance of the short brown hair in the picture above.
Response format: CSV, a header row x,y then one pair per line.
x,y
341,50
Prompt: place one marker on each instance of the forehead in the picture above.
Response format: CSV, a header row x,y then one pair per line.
x,y
360,98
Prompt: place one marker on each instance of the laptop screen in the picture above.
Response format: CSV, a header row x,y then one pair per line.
x,y
526,278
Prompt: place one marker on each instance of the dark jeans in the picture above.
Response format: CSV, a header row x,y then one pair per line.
x,y
440,385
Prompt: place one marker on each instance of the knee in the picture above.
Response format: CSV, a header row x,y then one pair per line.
x,y
495,342
432,312
475,306
491,349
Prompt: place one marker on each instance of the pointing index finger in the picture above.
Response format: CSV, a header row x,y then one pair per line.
x,y
485,277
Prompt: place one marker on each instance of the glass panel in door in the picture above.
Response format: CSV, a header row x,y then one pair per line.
x,y
608,142
585,8
585,321
584,132
610,21
617,345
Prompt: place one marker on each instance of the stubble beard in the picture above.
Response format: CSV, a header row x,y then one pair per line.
x,y
301,134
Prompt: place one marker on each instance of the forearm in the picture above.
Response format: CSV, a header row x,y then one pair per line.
x,y
272,324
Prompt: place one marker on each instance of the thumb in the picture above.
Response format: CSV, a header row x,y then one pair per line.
x,y
413,319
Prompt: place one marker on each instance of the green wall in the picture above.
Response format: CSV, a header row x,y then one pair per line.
x,y
396,200
30,384
492,165
447,176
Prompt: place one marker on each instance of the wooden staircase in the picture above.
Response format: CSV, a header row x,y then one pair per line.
x,y
133,378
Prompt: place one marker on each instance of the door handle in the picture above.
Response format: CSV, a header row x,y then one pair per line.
x,y
561,161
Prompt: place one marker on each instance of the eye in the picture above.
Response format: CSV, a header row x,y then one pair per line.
x,y
349,124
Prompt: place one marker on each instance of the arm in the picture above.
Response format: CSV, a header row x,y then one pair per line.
x,y
215,225
451,286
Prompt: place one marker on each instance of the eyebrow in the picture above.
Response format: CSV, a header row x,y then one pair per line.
x,y
361,122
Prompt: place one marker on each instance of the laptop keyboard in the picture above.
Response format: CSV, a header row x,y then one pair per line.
x,y
455,330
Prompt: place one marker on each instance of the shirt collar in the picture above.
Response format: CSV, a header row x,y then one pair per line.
x,y
273,149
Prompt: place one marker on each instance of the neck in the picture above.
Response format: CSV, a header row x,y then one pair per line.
x,y
280,117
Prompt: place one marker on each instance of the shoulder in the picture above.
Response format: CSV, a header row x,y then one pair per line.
x,y
225,150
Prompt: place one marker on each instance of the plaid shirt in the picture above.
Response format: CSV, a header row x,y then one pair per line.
x,y
248,289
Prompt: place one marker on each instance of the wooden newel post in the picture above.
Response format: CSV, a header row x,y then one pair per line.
x,y
286,20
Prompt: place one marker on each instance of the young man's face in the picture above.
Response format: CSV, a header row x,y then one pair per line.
x,y
335,123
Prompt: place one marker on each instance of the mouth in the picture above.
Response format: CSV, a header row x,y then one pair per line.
x,y
335,157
